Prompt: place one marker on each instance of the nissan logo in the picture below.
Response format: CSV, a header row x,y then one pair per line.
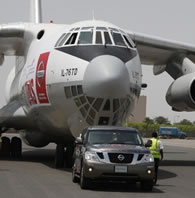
x,y
121,157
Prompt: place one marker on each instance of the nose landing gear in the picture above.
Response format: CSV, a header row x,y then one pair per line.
x,y
64,156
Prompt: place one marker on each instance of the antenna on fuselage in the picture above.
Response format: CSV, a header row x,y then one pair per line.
x,y
35,11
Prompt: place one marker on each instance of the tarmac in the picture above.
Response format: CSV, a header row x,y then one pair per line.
x,y
35,176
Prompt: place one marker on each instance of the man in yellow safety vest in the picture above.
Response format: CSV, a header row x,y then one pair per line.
x,y
156,148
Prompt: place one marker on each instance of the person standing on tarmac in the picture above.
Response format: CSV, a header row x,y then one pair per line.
x,y
156,148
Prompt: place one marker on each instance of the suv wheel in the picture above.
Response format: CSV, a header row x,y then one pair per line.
x,y
84,182
147,185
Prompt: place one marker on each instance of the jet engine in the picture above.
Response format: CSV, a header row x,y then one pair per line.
x,y
32,138
181,93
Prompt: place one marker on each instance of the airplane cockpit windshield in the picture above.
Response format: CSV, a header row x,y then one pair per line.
x,y
95,36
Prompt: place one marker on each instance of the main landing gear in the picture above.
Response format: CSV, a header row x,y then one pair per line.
x,y
64,156
11,148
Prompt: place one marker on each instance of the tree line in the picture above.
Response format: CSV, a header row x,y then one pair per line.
x,y
163,120
149,125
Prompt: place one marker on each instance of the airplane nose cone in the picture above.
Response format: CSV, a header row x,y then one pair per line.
x,y
106,76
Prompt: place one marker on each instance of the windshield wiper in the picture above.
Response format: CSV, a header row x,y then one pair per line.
x,y
96,143
117,143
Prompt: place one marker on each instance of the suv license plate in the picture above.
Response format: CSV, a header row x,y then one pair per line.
x,y
120,169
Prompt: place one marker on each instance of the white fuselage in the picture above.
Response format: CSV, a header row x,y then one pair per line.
x,y
68,82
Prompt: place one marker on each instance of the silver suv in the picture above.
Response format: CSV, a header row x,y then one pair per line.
x,y
112,154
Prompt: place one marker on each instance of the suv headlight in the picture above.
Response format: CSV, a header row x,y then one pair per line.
x,y
92,156
148,158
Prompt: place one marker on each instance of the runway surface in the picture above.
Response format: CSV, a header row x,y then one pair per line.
x,y
35,176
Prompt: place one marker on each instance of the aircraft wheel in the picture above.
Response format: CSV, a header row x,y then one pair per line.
x,y
16,147
59,156
5,147
69,156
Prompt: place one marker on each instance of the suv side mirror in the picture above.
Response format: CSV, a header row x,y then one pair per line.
x,y
148,143
78,140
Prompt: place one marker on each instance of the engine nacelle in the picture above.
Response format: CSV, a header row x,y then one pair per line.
x,y
181,93
32,138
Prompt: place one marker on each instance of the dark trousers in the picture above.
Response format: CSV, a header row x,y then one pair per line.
x,y
156,165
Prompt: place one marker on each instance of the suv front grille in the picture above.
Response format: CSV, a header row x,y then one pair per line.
x,y
140,156
120,158
101,156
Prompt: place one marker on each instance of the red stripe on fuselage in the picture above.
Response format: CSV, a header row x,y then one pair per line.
x,y
41,78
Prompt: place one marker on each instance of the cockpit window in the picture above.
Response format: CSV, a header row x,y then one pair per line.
x,y
86,38
118,39
62,41
72,39
86,28
98,39
101,28
128,42
114,29
107,38
95,35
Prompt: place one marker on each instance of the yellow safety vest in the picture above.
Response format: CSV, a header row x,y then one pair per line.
x,y
155,148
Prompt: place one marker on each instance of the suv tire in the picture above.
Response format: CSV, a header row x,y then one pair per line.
x,y
147,185
84,182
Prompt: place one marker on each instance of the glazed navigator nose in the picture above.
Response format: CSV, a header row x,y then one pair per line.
x,y
106,76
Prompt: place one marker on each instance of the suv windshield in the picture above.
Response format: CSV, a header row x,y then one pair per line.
x,y
114,137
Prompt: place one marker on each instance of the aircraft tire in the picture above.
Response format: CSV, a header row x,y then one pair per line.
x,y
147,186
69,156
5,147
16,147
59,156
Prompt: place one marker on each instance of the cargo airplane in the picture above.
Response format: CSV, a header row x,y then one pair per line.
x,y
67,77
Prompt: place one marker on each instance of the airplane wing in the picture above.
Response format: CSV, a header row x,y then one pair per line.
x,y
11,44
178,60
17,123
158,51
8,119
16,38
12,40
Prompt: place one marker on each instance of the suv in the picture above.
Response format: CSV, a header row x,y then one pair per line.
x,y
112,154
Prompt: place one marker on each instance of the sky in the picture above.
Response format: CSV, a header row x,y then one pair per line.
x,y
171,19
